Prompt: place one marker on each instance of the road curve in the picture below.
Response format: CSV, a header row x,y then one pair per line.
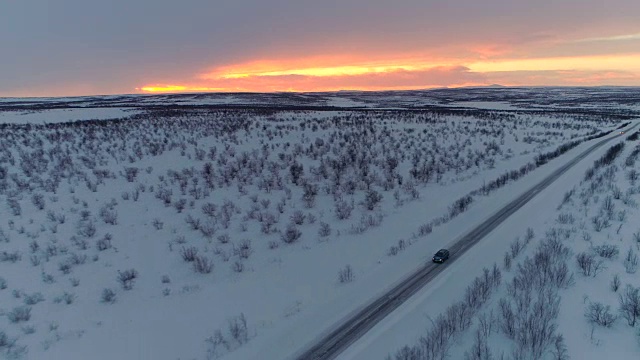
x,y
349,330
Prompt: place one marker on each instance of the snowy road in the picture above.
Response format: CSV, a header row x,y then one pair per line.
x,y
351,329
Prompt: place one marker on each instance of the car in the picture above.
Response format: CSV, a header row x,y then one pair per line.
x,y
441,256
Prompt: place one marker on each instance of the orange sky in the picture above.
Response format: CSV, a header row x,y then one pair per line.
x,y
489,66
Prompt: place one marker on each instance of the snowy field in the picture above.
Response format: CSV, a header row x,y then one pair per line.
x,y
175,229
50,116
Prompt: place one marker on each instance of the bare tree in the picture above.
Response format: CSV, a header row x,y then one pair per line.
x,y
631,261
588,264
615,283
597,313
480,349
630,304
559,350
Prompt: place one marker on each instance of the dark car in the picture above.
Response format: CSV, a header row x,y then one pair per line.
x,y
441,256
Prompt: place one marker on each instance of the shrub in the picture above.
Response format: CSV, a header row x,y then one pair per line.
x,y
214,344
194,223
108,296
14,205
324,230
237,267
180,204
615,283
157,224
104,243
202,264
208,229
425,229
65,267
588,264
189,253
66,297
3,283
372,199
109,216
343,210
459,206
131,173
38,201
47,278
33,298
565,218
298,217
224,238
237,335
607,251
631,262
126,278
238,329
76,259
86,228
19,314
345,275
291,234
10,256
5,342
244,250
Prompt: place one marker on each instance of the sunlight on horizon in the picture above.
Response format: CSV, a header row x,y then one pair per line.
x,y
303,75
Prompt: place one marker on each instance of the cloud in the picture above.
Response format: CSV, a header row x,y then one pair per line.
x,y
342,73
625,37
374,80
564,78
116,46
630,62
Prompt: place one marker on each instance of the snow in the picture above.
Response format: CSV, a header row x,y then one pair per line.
x,y
289,295
62,115
492,105
344,102
409,321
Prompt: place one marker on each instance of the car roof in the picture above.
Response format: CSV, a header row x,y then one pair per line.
x,y
443,250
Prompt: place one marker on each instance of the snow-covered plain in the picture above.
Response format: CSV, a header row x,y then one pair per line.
x,y
258,217
582,339
50,116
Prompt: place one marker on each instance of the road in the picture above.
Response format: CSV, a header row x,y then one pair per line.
x,y
349,330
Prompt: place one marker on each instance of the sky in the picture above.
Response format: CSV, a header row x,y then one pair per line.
x,y
80,47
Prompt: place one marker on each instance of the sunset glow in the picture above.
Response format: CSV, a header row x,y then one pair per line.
x,y
176,88
593,63
287,45
403,73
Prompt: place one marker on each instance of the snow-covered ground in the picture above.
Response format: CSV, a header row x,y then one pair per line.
x,y
413,318
62,115
82,205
